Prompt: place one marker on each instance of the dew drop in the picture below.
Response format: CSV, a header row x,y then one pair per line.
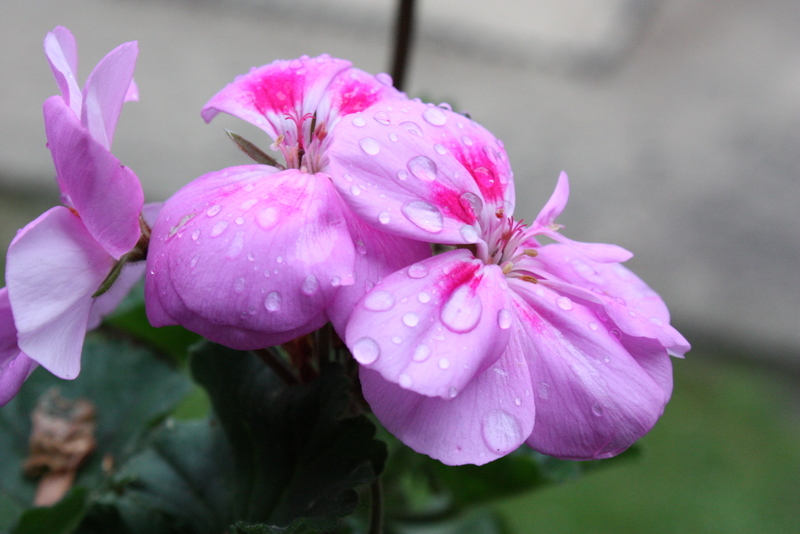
x,y
444,363
471,203
501,431
656,321
192,262
411,319
392,136
369,146
597,410
462,311
384,218
518,401
593,326
544,390
424,297
412,127
267,218
359,121
238,286
405,381
564,303
423,168
273,301
218,228
402,174
248,204
440,149
453,392
213,210
336,281
366,350
379,300
384,78
424,215
354,189
421,353
382,117
418,270
310,285
434,115
504,319
397,340
466,140
616,333
195,235
469,233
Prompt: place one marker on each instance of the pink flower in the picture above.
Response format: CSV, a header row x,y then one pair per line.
x,y
503,340
255,255
58,262
15,366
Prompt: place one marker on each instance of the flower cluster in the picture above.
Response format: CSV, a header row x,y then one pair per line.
x,y
69,267
500,339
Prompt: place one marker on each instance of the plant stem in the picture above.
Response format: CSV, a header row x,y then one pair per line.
x,y
404,27
376,495
277,365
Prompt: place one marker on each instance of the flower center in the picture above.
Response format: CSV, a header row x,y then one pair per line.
x,y
505,246
302,143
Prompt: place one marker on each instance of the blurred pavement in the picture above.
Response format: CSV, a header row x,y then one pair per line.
x,y
678,121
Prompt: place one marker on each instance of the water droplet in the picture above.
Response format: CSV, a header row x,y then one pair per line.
x,y
424,215
369,146
444,363
434,115
405,381
504,319
279,259
366,350
564,303
355,190
411,319
250,257
462,311
218,228
597,410
440,149
267,218
384,78
518,401
359,121
471,203
192,262
248,204
213,210
656,321
195,235
544,390
397,340
384,218
273,301
466,140
310,285
412,127
336,281
620,300
615,333
424,297
382,117
402,174
469,233
423,168
418,270
501,431
392,136
379,300
593,326
238,286
421,353
453,392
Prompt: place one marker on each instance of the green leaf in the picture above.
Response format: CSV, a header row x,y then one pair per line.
x,y
131,389
270,456
61,518
298,526
473,521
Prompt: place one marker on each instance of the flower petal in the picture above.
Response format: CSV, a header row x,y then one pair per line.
x,y
62,54
490,418
106,89
433,326
53,268
273,96
15,366
107,195
420,171
597,392
249,256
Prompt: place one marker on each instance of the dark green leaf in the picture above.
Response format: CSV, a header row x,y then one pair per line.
x,y
474,521
61,518
298,526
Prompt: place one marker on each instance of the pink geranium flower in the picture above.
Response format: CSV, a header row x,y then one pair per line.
x,y
58,262
503,340
256,255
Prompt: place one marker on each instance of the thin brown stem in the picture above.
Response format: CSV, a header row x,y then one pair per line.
x,y
403,33
277,365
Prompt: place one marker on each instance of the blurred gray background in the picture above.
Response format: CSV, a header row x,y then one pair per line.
x,y
678,121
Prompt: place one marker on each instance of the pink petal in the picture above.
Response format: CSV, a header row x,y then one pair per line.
x,y
248,256
54,266
490,418
596,392
433,326
15,366
274,95
622,296
420,171
107,88
107,195
555,204
62,54
377,256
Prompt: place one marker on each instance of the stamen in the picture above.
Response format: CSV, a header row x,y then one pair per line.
x,y
507,267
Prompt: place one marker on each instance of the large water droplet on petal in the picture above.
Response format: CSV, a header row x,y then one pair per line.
x,y
213,210
369,146
435,116
218,228
384,217
366,350
424,215
412,127
423,168
382,117
462,311
267,218
238,285
421,353
379,300
564,303
359,121
469,233
418,270
504,319
273,301
411,319
471,203
310,285
405,381
424,297
501,431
